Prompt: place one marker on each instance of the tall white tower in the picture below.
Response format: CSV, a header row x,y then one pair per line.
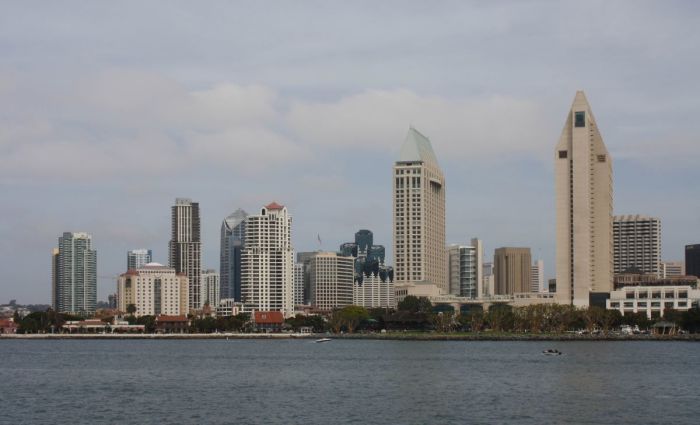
x,y
185,247
419,214
267,261
584,206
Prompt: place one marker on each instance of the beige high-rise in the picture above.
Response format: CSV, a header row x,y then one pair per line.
x,y
419,214
512,269
584,206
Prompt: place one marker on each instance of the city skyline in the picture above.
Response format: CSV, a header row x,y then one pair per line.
x,y
151,125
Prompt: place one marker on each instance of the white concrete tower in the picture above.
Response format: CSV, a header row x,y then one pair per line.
x,y
419,215
584,206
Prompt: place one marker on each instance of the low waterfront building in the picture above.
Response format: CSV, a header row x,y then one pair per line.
x,y
653,300
8,326
152,290
268,321
172,324
646,279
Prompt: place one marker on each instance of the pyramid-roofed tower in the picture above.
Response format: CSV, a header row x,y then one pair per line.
x,y
419,214
584,206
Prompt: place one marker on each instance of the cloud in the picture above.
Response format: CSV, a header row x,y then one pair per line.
x,y
459,128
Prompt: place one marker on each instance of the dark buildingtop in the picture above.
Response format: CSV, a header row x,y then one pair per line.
x,y
692,260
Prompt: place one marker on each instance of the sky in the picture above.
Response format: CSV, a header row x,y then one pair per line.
x,y
111,110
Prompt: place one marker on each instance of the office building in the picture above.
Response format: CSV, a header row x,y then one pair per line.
x,y
185,247
462,271
653,300
231,248
303,258
672,269
375,289
74,268
692,260
512,270
298,287
584,205
267,261
537,281
211,288
489,284
636,244
137,258
332,278
153,290
419,214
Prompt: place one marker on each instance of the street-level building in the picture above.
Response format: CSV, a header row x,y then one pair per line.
x,y
636,243
229,307
419,214
267,261
653,300
671,269
153,289
332,278
584,206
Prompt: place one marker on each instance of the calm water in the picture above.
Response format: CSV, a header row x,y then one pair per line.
x,y
294,382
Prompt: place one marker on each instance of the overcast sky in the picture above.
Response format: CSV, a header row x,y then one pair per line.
x,y
111,110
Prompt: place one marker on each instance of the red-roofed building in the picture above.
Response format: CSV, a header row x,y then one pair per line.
x,y
8,326
274,206
268,321
172,324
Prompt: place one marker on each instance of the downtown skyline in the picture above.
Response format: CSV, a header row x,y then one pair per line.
x,y
323,146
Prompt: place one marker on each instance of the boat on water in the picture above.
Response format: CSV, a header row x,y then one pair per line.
x,y
551,352
323,340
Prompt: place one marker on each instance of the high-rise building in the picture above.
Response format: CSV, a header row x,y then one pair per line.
x,y
512,270
419,214
185,248
636,244
537,281
211,288
303,258
55,273
584,205
298,286
692,260
364,250
332,278
671,269
462,271
267,261
75,275
152,290
489,288
375,289
137,258
232,242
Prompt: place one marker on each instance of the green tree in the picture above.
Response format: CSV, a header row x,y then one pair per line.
x,y
500,317
415,304
131,309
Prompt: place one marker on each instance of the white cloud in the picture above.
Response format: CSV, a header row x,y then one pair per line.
x,y
460,128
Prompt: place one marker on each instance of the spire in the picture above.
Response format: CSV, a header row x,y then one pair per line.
x,y
417,147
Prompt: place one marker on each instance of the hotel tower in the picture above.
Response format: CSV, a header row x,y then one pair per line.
x,y
584,205
185,247
419,215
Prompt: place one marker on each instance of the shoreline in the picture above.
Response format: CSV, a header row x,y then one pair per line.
x,y
392,336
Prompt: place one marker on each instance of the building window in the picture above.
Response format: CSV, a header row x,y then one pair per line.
x,y
563,154
580,119
601,158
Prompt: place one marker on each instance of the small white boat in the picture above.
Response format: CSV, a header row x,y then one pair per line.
x,y
323,340
551,352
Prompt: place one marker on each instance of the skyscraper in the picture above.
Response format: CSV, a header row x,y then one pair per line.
x,y
462,271
636,244
185,248
211,288
137,258
537,282
75,274
267,261
419,214
692,260
332,277
232,242
584,205
512,270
